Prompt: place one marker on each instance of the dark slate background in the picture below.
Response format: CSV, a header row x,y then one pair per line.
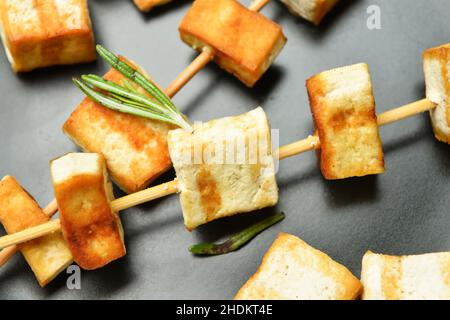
x,y
404,211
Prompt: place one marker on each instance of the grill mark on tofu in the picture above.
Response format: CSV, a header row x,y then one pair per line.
x,y
351,118
391,277
50,22
209,193
88,223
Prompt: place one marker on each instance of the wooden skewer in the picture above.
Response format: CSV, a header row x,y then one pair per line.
x,y
171,187
202,59
394,115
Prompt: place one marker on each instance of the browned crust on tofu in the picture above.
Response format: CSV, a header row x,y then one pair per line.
x,y
50,42
245,42
209,194
30,214
87,221
323,7
442,54
147,137
147,5
19,211
332,119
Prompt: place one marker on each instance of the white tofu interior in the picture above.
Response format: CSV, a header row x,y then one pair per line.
x,y
74,164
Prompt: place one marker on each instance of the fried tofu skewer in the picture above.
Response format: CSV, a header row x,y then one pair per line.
x,y
388,117
308,144
202,60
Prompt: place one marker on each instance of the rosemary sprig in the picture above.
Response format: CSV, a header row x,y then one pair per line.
x,y
127,98
238,240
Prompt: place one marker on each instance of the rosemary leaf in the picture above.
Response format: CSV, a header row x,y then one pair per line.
x,y
118,105
238,240
112,87
126,98
135,76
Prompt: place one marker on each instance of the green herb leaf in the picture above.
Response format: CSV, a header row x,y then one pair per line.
x,y
127,98
238,240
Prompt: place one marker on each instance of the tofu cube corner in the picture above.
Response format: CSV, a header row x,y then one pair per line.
x,y
436,64
47,256
415,277
293,270
147,5
91,228
39,34
224,167
245,43
312,10
343,109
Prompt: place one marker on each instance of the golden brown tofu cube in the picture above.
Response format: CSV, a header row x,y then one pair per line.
x,y
436,64
311,10
224,167
147,5
135,148
293,270
343,109
92,230
38,33
245,43
48,255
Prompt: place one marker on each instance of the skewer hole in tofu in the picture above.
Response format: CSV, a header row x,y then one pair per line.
x,y
42,33
91,229
47,256
343,109
436,64
245,43
224,167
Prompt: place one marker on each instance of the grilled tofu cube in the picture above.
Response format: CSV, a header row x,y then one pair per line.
x,y
147,5
418,277
48,255
41,33
343,109
245,43
293,270
224,167
135,148
311,10
436,63
91,229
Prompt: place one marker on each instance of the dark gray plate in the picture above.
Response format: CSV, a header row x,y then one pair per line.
x,y
404,211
